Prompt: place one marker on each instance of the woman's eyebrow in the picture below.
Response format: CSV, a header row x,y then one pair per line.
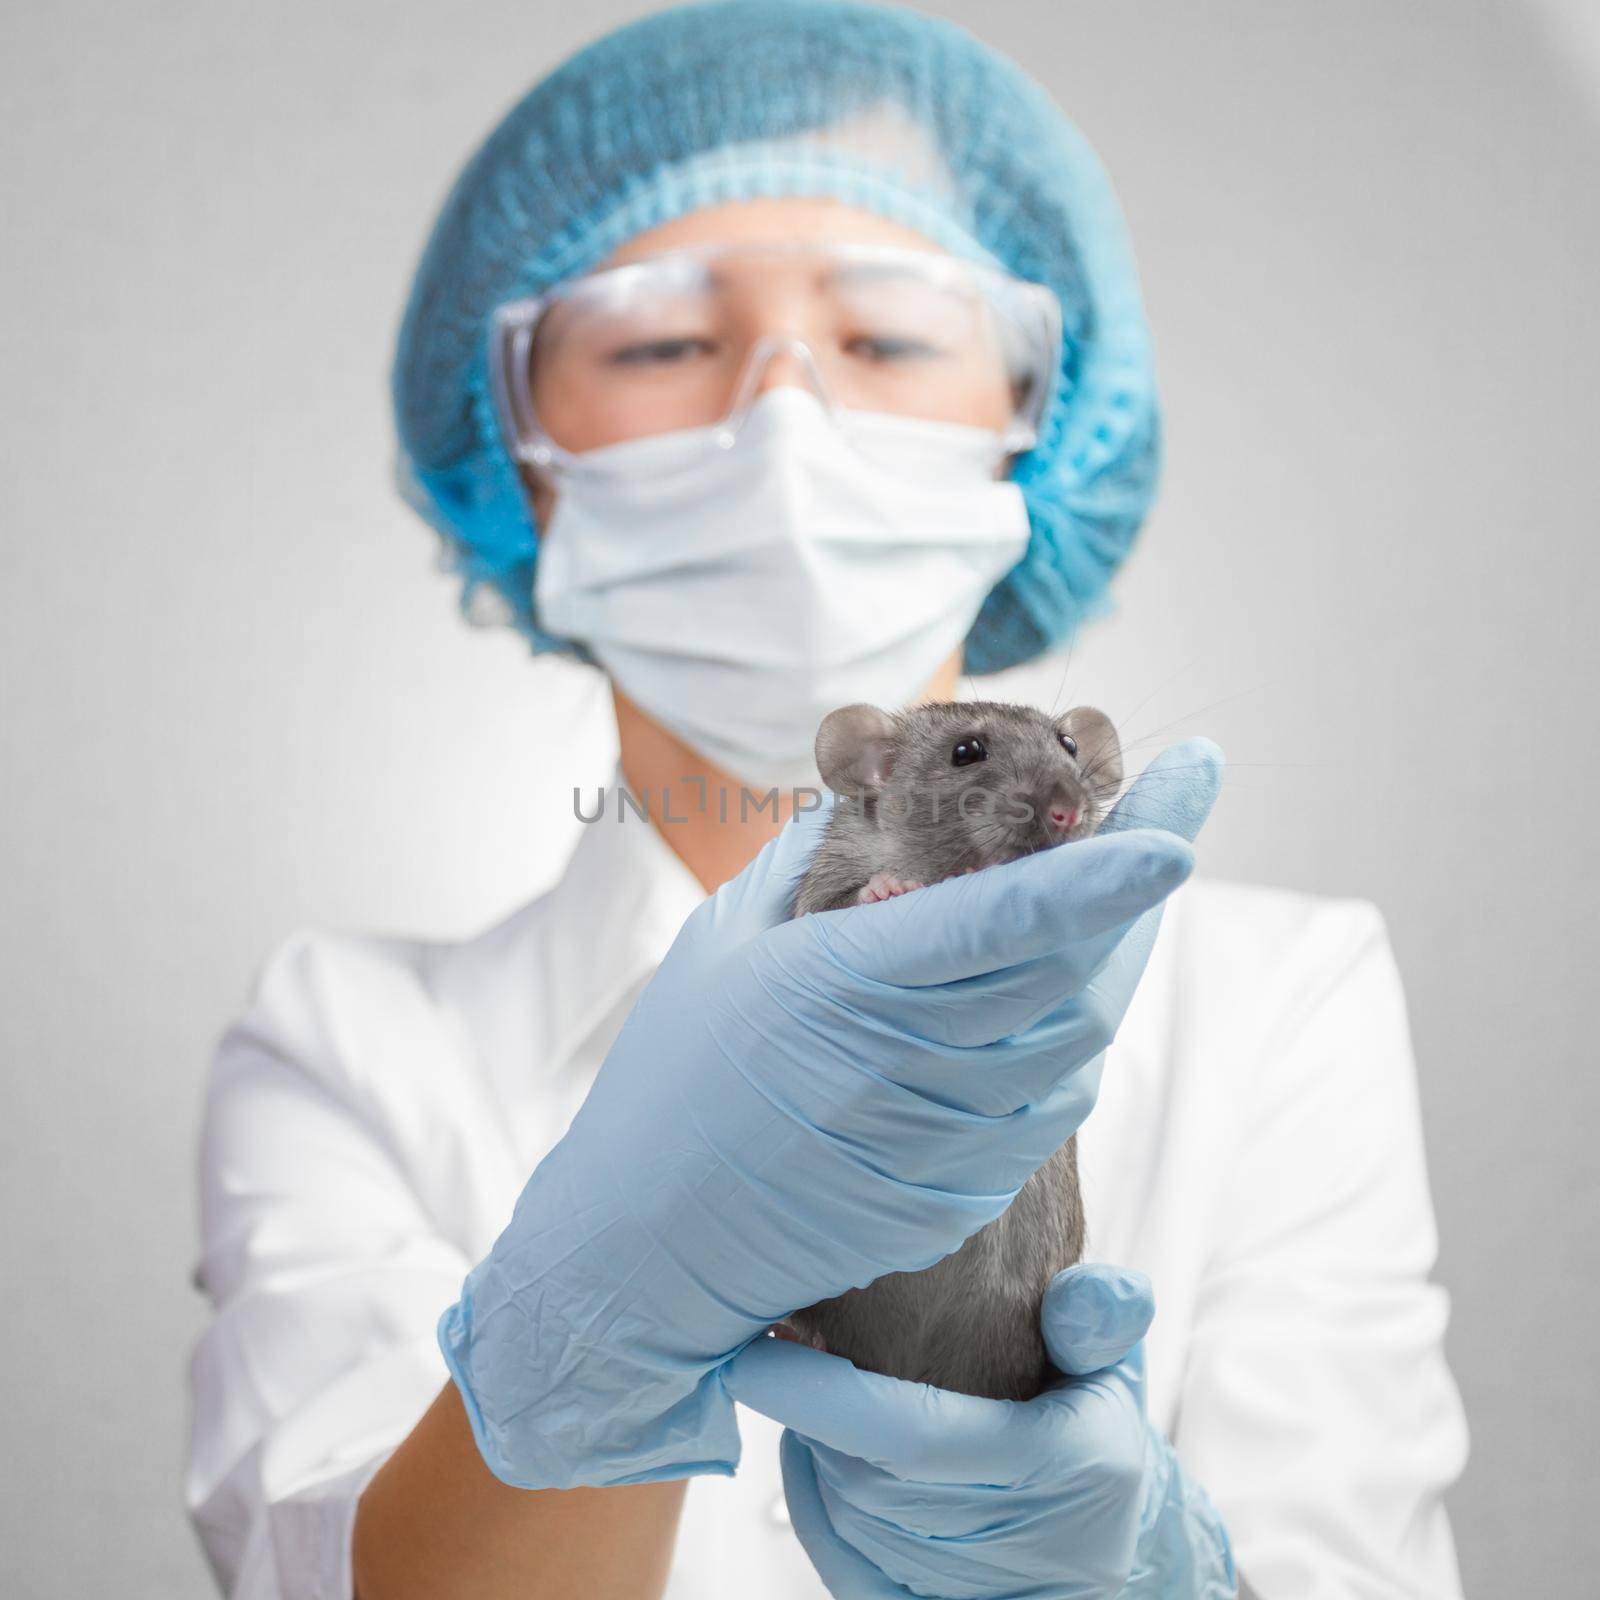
x,y
843,274
891,273
571,316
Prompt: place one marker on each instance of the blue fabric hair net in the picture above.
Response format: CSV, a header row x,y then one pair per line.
x,y
883,108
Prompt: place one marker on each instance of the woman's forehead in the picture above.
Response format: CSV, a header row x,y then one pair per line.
x,y
773,220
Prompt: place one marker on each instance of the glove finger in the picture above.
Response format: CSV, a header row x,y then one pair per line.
x,y
943,1063
1093,1315
933,1539
1176,791
1053,903
971,1012
940,1513
1097,1405
912,1430
936,1168
845,1572
997,1043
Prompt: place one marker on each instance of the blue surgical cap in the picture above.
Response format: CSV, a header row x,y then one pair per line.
x,y
880,107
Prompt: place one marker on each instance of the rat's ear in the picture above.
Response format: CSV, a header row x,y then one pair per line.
x,y
1099,748
855,749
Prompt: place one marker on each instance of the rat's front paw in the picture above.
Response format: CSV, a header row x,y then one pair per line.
x,y
884,886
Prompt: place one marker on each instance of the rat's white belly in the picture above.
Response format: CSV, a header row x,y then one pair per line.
x,y
735,1540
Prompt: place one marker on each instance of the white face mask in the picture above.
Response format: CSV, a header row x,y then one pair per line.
x,y
738,595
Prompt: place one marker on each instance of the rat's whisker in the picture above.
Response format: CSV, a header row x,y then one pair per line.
x,y
1123,720
1072,646
1200,711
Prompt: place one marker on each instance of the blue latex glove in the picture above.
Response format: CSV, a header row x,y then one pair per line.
x,y
900,1489
792,1109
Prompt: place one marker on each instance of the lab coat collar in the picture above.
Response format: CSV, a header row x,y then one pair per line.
x,y
629,888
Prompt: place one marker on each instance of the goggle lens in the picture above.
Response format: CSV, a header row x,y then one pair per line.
x,y
684,340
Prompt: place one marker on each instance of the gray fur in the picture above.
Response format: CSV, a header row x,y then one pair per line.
x,y
971,1321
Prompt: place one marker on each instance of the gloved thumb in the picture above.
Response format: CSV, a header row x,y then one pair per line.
x,y
1093,1315
1176,791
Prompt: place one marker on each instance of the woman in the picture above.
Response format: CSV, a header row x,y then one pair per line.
x,y
772,356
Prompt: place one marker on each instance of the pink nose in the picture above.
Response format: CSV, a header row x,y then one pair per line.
x,y
1060,817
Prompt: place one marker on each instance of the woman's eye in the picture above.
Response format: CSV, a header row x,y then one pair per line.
x,y
887,347
659,352
967,751
1070,745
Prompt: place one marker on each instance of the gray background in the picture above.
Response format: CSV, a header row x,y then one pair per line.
x,y
238,700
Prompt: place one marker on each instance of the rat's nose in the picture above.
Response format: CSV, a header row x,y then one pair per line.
x,y
1060,808
1047,808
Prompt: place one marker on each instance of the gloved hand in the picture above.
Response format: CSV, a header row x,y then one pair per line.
x,y
900,1489
792,1109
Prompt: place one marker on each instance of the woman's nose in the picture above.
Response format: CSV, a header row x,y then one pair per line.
x,y
781,359
786,364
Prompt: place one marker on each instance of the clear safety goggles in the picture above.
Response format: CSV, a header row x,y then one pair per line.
x,y
688,339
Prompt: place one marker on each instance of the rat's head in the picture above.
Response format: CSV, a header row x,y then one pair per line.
x,y
964,785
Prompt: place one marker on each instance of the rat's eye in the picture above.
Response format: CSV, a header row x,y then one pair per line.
x,y
1070,745
970,749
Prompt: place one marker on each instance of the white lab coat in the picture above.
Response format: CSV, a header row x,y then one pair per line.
x,y
1256,1149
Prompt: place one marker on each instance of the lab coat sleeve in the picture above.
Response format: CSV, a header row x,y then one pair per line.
x,y
1316,1405
326,1278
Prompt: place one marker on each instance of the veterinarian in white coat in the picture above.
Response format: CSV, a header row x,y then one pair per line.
x,y
773,356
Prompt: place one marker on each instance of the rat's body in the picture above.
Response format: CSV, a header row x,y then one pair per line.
x,y
929,793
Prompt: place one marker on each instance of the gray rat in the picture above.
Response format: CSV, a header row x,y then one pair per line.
x,y
925,794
